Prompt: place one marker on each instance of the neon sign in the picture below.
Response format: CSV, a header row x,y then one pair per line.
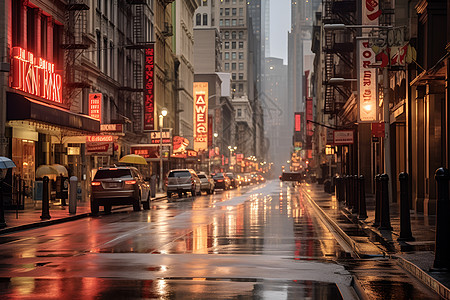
x,y
35,76
200,115
149,88
95,106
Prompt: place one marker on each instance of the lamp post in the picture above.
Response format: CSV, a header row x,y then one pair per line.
x,y
215,135
386,100
231,153
161,124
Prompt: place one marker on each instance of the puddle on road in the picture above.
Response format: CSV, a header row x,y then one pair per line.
x,y
166,288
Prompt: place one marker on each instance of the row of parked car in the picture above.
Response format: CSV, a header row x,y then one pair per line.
x,y
126,185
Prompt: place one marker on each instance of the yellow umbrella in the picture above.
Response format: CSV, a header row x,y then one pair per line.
x,y
133,159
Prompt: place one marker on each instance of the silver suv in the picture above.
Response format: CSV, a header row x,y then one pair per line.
x,y
182,181
207,182
119,186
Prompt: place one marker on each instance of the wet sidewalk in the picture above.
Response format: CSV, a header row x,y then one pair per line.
x,y
30,217
417,257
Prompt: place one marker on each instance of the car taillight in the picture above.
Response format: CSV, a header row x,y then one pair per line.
x,y
130,182
95,183
219,180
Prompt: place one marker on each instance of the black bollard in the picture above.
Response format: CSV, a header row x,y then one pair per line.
x,y
2,211
350,192
45,200
442,243
362,199
376,222
405,219
346,183
336,187
385,214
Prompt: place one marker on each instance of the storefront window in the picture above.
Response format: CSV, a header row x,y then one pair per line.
x,y
23,156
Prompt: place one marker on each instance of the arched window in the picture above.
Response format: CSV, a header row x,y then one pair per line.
x,y
233,35
227,35
205,19
198,19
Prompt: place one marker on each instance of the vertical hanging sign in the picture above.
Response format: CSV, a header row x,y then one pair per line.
x,y
367,75
149,88
200,116
95,106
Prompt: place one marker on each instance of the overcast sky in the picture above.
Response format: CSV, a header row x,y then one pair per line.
x,y
280,24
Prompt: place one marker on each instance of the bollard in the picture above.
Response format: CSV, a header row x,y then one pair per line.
x,y
405,221
442,243
73,195
337,188
341,189
346,190
350,192
376,222
45,200
362,199
385,221
355,208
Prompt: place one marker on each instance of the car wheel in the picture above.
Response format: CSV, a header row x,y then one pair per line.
x,y
193,192
146,204
107,208
94,207
137,204
169,194
208,191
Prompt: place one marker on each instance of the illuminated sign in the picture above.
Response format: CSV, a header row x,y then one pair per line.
x,y
99,138
145,151
191,153
343,137
155,138
149,88
95,106
200,115
111,127
298,122
35,76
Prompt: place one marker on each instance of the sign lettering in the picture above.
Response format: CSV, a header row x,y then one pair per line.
x,y
200,116
149,88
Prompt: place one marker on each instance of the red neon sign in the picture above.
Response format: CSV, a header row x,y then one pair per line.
x,y
298,124
99,138
149,89
200,115
34,76
95,106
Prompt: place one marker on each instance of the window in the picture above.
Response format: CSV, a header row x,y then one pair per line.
x,y
221,22
239,112
227,45
241,66
241,76
227,22
99,50
44,37
205,19
234,22
111,59
241,21
241,35
227,55
233,11
241,12
233,76
241,87
233,45
221,12
241,45
31,32
227,66
227,35
105,56
233,35
198,19
227,11
205,2
233,55
233,66
241,55
234,1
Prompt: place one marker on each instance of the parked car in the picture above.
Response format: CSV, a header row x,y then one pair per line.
x,y
182,181
119,186
207,183
233,180
221,181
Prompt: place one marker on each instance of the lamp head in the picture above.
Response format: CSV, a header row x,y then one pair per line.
x,y
164,111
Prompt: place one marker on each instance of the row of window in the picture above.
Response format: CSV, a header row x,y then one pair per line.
x,y
232,22
233,11
235,76
228,1
226,35
233,45
233,66
233,55
198,19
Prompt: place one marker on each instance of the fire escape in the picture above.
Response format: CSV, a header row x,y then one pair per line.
x,y
74,44
338,53
133,88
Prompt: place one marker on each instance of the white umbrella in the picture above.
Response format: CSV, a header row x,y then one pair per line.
x,y
6,163
46,170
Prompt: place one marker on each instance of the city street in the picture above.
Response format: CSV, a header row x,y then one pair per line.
x,y
262,241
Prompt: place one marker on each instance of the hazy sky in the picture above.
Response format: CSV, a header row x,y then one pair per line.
x,y
280,24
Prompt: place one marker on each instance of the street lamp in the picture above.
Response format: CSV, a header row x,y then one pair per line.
x,y
231,153
386,110
161,124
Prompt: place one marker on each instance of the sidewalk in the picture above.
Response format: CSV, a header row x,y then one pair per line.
x,y
30,216
416,257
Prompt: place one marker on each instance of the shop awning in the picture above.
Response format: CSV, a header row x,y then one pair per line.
x,y
19,107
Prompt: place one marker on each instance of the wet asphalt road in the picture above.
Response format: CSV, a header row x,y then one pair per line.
x,y
261,242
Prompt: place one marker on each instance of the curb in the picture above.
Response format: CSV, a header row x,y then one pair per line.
x,y
53,222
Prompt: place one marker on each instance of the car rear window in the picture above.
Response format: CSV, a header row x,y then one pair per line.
x,y
201,176
180,174
230,175
118,173
220,175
